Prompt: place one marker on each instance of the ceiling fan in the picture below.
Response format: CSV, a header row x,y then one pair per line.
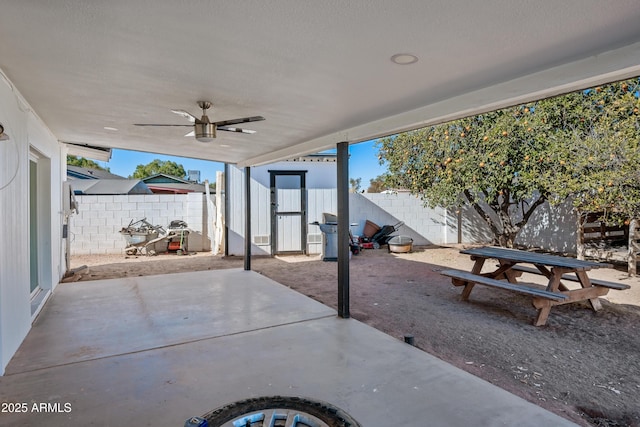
x,y
204,129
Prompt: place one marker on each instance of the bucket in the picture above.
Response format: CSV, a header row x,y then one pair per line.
x,y
370,228
400,244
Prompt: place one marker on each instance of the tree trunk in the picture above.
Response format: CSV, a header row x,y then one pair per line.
x,y
507,240
505,230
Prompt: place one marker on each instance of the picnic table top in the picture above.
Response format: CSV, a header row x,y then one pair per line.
x,y
516,255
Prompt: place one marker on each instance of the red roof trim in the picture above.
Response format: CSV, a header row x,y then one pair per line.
x,y
165,190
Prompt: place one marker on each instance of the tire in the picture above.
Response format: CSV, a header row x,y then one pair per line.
x,y
259,412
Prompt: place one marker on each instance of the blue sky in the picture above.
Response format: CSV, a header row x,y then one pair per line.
x,y
363,163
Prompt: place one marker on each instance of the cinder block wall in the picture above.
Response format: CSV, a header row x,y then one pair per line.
x,y
95,229
550,227
424,225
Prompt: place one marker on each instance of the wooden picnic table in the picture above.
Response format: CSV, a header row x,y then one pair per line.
x,y
555,268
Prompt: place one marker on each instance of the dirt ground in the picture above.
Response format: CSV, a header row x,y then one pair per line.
x,y
583,365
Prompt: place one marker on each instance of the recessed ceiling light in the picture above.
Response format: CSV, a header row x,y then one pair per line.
x,y
110,128
225,145
404,59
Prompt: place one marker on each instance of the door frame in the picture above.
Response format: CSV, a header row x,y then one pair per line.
x,y
275,213
34,226
40,223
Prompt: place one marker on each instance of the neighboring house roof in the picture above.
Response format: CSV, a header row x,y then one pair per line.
x,y
162,183
77,172
157,189
109,186
176,188
163,178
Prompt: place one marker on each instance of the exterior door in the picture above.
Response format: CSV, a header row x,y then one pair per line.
x,y
288,212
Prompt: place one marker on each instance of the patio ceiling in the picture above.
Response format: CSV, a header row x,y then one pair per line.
x,y
319,72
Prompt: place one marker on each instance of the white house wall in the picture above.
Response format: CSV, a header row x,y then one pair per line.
x,y
321,197
235,222
26,130
318,202
320,175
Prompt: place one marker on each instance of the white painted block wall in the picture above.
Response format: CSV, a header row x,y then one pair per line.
x,y
27,134
321,197
553,228
424,225
95,229
550,228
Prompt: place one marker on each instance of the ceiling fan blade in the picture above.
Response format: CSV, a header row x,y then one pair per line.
x,y
234,129
153,124
187,115
236,121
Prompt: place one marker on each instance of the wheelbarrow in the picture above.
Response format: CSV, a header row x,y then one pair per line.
x,y
382,236
140,236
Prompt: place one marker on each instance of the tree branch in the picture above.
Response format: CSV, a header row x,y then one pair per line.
x,y
476,206
526,215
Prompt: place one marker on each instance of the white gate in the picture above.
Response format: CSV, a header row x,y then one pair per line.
x,y
288,212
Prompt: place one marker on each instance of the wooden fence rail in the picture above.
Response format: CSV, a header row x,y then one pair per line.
x,y
616,243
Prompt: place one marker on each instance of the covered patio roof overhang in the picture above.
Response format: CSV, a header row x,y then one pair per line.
x,y
320,73
324,75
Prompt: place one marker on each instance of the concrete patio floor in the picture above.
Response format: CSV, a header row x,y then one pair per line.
x,y
156,350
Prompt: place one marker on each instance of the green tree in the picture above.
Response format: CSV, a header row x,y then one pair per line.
x,y
167,167
506,163
601,127
377,184
355,185
84,163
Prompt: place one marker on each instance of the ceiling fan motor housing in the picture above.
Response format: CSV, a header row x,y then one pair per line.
x,y
205,132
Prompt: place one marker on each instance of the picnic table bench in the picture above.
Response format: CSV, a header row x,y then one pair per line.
x,y
555,268
571,278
